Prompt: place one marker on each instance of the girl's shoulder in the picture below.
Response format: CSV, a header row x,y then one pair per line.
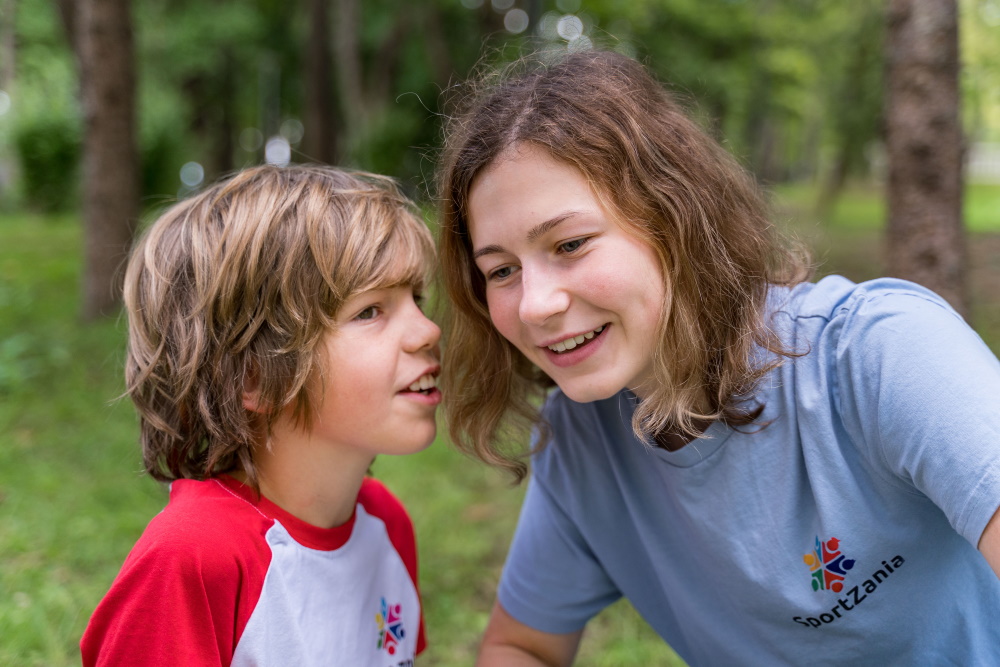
x,y
836,297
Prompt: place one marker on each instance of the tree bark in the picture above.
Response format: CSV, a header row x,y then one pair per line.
x,y
350,78
8,44
110,163
926,239
319,143
67,14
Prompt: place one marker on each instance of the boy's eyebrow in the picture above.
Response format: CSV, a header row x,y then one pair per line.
x,y
533,233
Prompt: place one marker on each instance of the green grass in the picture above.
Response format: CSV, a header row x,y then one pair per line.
x,y
862,207
73,499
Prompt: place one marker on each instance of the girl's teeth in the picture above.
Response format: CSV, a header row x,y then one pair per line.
x,y
424,383
570,343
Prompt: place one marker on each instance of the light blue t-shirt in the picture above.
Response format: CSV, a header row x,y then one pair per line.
x,y
844,532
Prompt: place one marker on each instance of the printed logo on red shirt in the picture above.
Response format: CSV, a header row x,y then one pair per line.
x,y
390,627
828,565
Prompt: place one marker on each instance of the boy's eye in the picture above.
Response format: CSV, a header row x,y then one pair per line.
x,y
570,246
368,313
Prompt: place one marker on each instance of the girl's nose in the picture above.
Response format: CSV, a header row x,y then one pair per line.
x,y
542,296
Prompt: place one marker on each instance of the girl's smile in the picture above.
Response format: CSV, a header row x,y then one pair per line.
x,y
567,285
575,349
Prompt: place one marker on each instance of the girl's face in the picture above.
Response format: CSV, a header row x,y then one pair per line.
x,y
568,286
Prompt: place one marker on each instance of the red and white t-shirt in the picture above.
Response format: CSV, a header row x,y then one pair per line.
x,y
220,577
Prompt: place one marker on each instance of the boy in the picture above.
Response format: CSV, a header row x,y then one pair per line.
x,y
276,346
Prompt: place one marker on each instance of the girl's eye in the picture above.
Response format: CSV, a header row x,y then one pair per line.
x,y
570,246
367,314
418,299
501,273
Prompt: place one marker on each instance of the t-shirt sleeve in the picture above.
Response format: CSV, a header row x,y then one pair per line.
x,y
169,605
380,502
552,581
921,391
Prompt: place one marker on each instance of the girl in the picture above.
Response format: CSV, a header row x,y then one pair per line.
x,y
772,471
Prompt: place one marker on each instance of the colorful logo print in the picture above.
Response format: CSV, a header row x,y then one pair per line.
x,y
390,627
828,565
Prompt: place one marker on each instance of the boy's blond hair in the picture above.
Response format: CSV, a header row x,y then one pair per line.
x,y
233,289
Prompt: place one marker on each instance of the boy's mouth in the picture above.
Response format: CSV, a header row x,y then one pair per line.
x,y
425,384
575,341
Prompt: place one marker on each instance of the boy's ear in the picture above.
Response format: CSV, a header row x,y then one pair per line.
x,y
251,394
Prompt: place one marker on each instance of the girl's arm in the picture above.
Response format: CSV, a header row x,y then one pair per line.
x,y
510,643
989,543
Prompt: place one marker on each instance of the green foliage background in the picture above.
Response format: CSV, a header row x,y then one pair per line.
x,y
792,87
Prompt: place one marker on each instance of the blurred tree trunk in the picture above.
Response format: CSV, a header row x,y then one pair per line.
x,y
319,142
110,163
8,44
856,102
442,66
364,91
211,99
67,14
926,241
349,72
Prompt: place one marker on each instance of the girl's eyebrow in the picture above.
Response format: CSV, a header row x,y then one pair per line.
x,y
533,233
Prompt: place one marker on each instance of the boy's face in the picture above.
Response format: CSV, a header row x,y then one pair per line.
x,y
379,390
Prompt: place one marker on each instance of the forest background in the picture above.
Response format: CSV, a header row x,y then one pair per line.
x,y
794,88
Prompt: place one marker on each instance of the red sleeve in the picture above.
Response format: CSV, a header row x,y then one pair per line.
x,y
182,597
379,501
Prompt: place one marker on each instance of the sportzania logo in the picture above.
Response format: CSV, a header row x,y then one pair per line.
x,y
828,565
390,627
830,569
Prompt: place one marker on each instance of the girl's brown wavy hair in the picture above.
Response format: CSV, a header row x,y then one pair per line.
x,y
238,284
663,179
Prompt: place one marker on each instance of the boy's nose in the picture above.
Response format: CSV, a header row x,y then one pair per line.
x,y
542,296
423,333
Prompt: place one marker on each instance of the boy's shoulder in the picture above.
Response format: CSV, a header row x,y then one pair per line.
x,y
205,525
377,501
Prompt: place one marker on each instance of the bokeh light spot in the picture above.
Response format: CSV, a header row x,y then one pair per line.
x,y
4,102
516,21
292,130
192,174
569,27
251,139
547,26
278,152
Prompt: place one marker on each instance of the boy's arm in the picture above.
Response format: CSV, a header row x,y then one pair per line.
x,y
510,643
156,614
